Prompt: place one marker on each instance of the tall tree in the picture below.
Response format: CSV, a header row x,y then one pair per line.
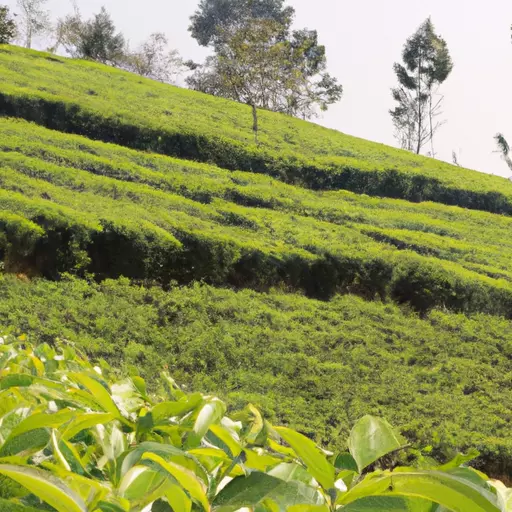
x,y
214,19
7,25
260,66
154,59
426,66
34,19
94,39
258,60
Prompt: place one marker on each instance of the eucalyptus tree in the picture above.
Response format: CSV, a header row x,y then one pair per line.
x,y
426,66
34,19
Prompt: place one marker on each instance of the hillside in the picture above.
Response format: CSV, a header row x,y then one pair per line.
x,y
83,204
315,302
445,379
114,106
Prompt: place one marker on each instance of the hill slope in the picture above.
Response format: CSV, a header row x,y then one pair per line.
x,y
100,211
115,106
84,206
320,366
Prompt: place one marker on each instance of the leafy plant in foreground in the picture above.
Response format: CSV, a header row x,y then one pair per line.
x,y
76,441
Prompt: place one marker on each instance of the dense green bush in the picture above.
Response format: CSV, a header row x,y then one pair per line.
x,y
113,212
445,380
74,440
142,114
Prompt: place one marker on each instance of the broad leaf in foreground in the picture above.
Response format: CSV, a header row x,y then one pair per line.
x,y
46,487
372,438
453,492
311,455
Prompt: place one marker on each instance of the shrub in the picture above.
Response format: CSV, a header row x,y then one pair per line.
x,y
75,440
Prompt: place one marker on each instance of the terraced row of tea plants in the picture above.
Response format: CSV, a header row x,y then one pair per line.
x,y
115,106
445,380
72,205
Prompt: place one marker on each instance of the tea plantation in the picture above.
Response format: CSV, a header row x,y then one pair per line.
x,y
317,276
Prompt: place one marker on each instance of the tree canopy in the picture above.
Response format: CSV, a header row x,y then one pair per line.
x,y
215,18
7,25
35,19
154,59
260,61
94,39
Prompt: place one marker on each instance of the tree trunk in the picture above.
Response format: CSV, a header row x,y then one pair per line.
x,y
420,118
430,114
28,42
255,122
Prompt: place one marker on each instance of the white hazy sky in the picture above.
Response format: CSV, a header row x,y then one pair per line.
x,y
363,39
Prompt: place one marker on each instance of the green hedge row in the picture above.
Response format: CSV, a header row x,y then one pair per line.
x,y
114,248
392,183
107,104
478,241
112,227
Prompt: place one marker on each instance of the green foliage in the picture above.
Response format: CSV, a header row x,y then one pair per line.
x,y
115,106
213,18
7,26
95,39
69,205
316,366
111,211
261,63
427,64
111,445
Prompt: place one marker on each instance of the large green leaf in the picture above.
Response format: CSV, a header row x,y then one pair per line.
x,y
46,487
178,499
391,504
210,414
249,491
133,457
316,462
42,420
90,490
99,394
162,412
183,476
504,496
451,491
345,461
31,434
114,505
372,438
28,442
141,486
85,421
308,508
16,380
222,438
